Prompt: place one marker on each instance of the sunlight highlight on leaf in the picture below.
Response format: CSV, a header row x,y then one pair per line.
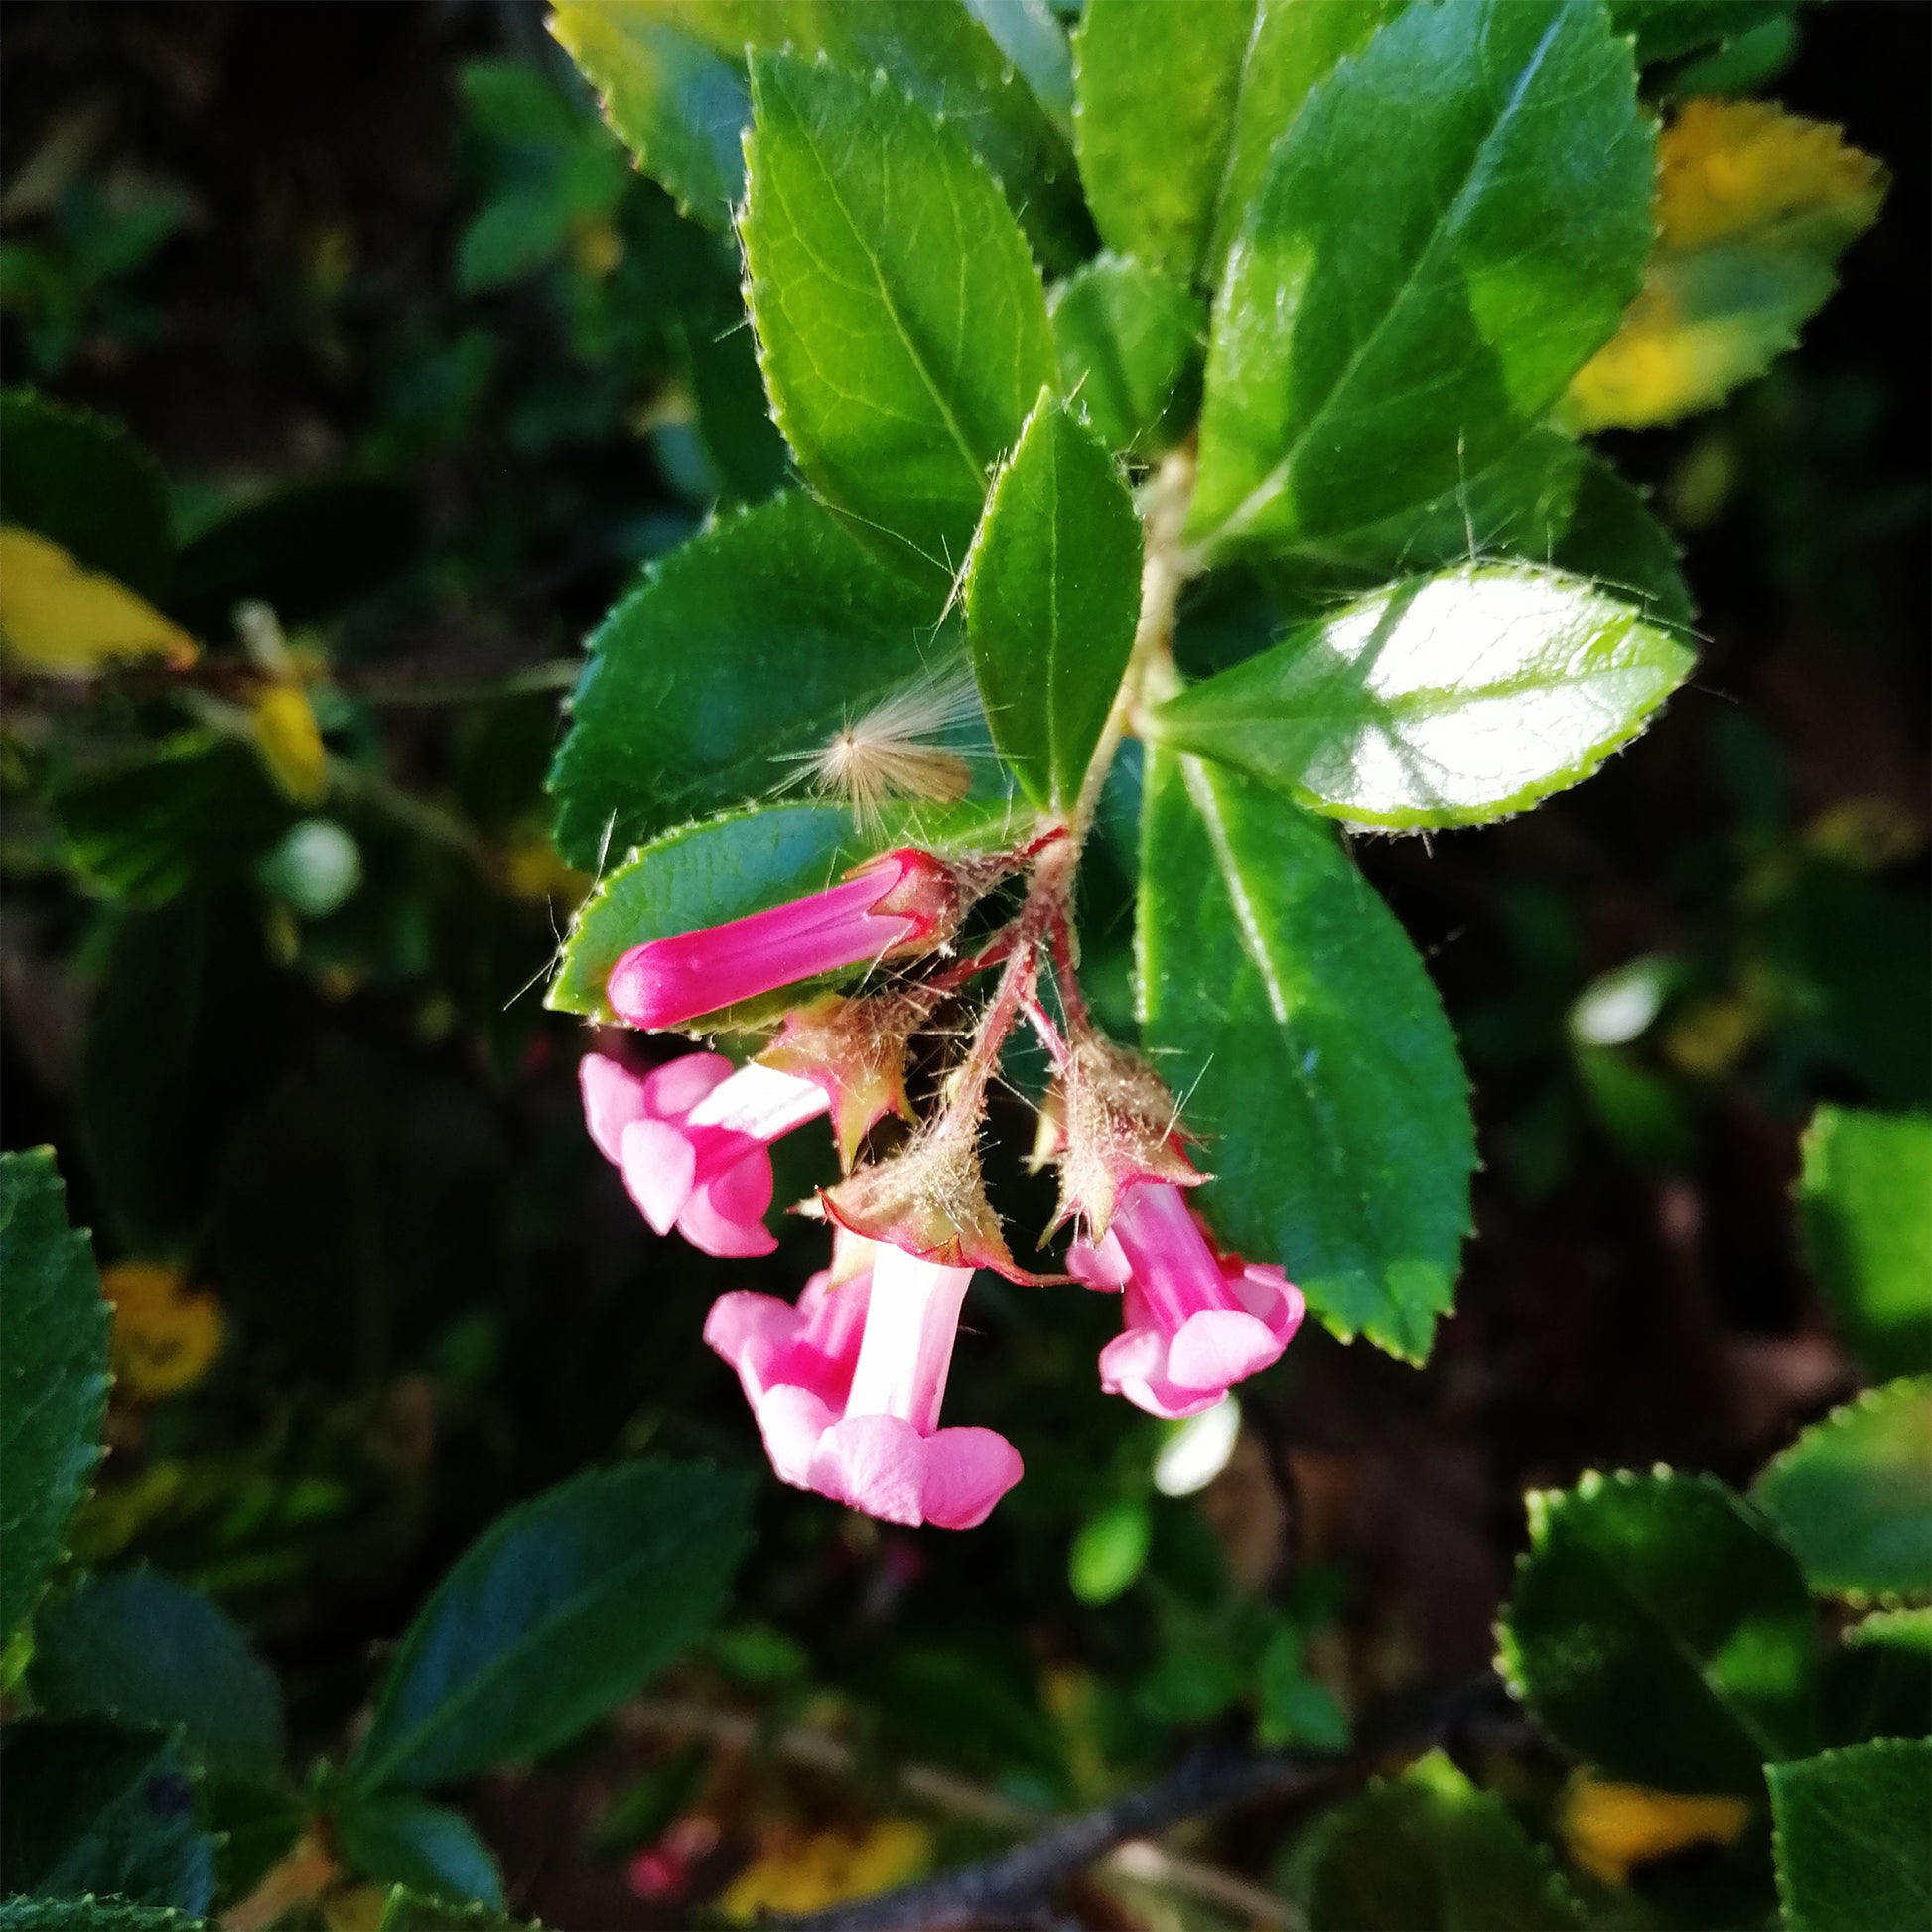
x,y
59,619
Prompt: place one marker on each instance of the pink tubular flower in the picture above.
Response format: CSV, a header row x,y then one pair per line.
x,y
899,901
691,1137
847,1388
1195,1323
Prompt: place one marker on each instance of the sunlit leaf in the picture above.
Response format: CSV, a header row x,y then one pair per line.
x,y
62,621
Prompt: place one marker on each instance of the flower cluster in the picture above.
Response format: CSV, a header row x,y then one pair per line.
x,y
848,1382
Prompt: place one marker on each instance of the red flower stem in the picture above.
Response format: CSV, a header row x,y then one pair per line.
x,y
1072,1003
1049,1035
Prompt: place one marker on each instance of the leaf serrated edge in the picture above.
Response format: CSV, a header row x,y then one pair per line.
x,y
1788,1909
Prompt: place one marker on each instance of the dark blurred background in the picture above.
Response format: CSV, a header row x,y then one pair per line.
x,y
293,242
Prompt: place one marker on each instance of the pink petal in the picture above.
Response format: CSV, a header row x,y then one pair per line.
x,y
1220,1346
1267,1295
967,1472
722,1235
613,1097
659,1167
673,1089
1135,1366
751,1332
1103,1267
793,1422
874,1464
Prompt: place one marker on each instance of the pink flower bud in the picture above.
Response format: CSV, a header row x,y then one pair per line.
x,y
691,1137
904,900
847,1389
1195,1323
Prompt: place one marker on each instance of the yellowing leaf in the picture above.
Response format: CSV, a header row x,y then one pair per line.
x,y
63,621
1610,1829
165,1336
1753,208
805,1871
533,870
289,741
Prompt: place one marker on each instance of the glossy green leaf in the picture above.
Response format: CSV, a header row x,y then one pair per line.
x,y
1431,1852
399,1839
409,1910
1850,1839
1360,368
1129,339
1877,1680
89,1914
148,1651
1052,598
1028,33
53,1376
559,1611
93,1808
1853,1495
949,58
727,867
308,552
898,377
679,105
85,482
1614,539
1288,1009
1660,1629
1447,700
1667,28
1865,1207
737,657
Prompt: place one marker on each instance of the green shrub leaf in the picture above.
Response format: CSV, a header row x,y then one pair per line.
x,y
1853,1495
735,659
1052,597
1427,1850
559,1611
1411,292
93,1808
1660,1630
1177,110
1447,700
85,482
898,379
91,1914
1865,1207
1849,1833
738,863
1129,339
1288,1006
149,1651
399,1839
53,1376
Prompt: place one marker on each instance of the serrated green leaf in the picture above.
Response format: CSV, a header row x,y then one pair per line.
x,y
85,482
737,657
736,864
1877,1680
308,552
53,1376
1447,700
941,54
1285,1004
1850,1839
1357,368
93,1808
1178,107
679,105
397,1839
145,1651
1431,1852
1052,598
1864,1207
1667,28
1028,33
406,1910
91,1914
902,324
559,1611
1661,1631
1853,1495
1613,538
1129,339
